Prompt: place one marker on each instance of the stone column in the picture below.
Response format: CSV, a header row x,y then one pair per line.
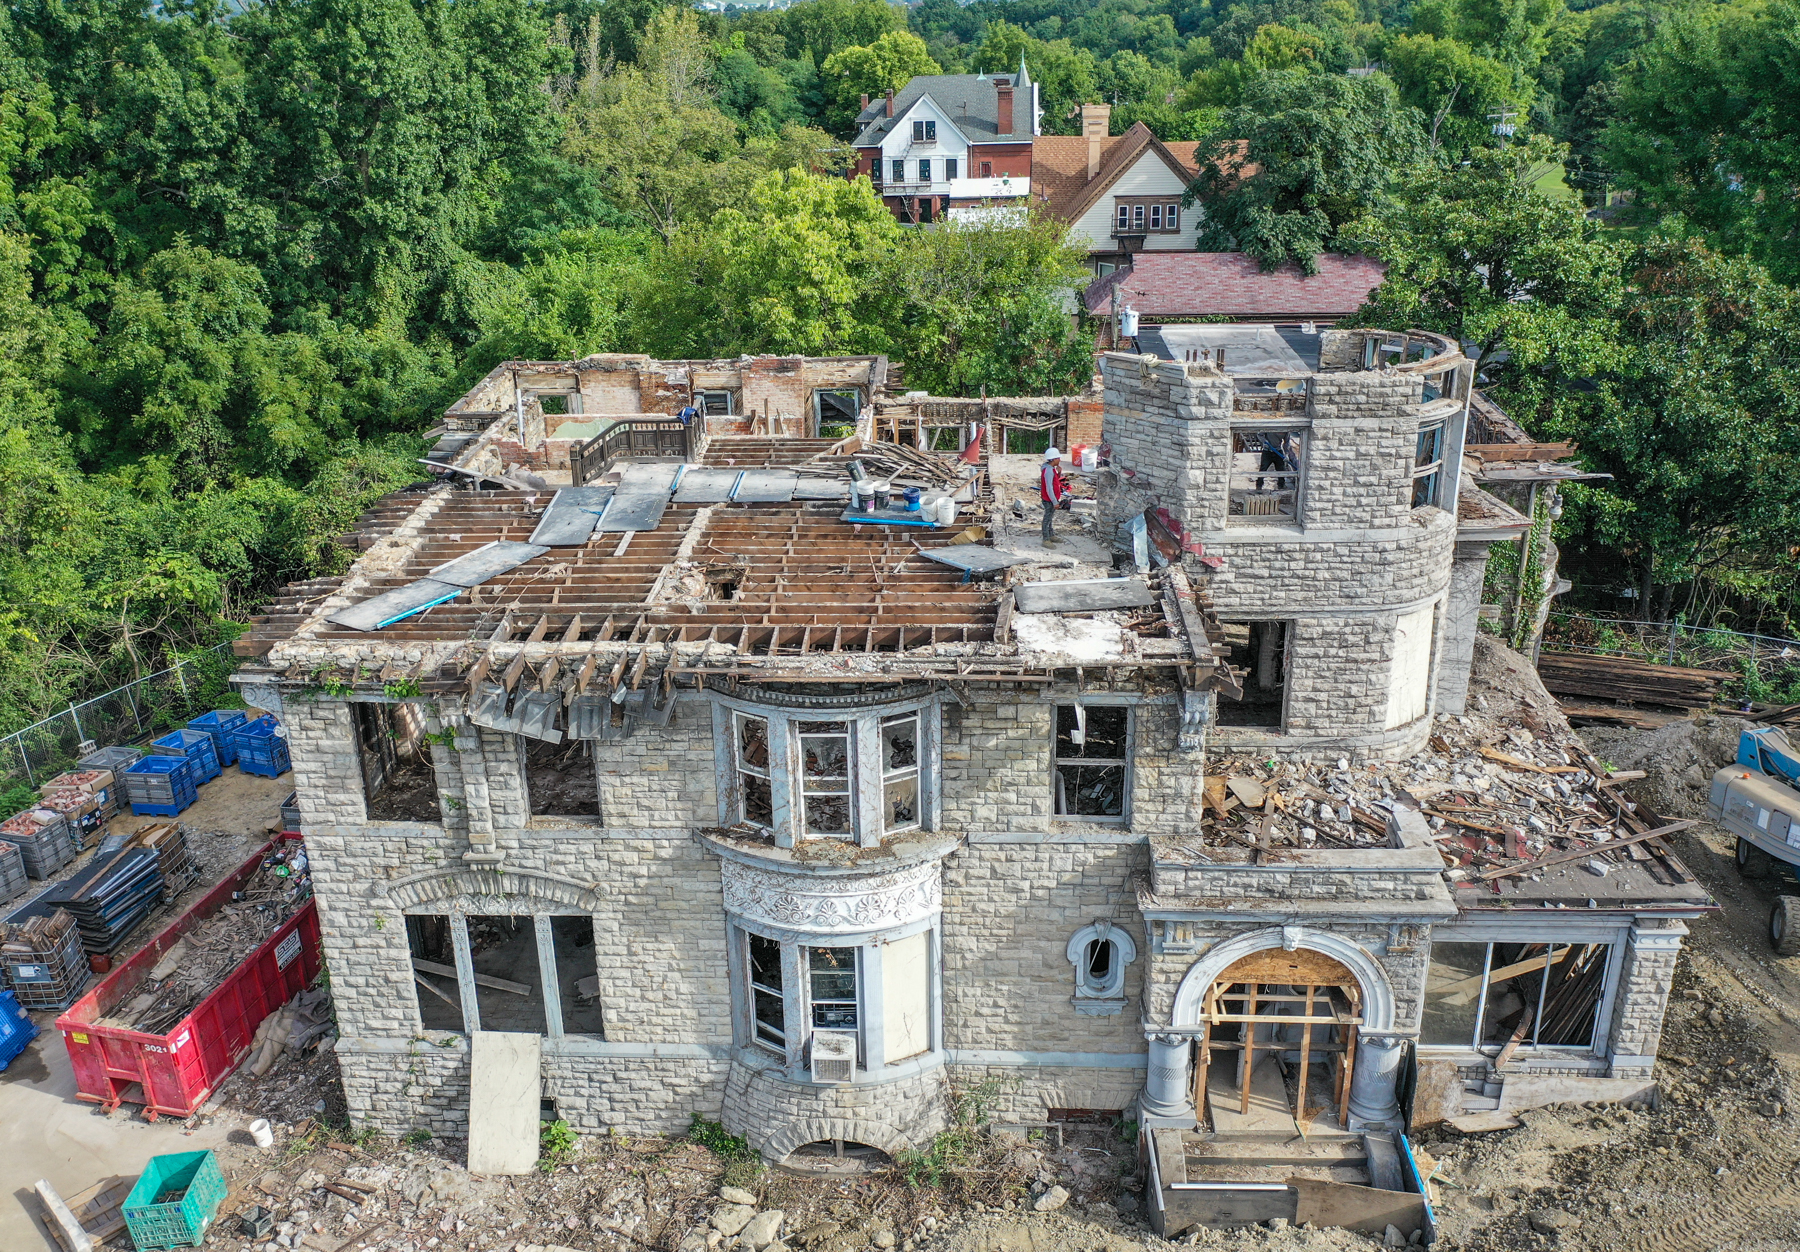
x,y
1166,1100
1373,1104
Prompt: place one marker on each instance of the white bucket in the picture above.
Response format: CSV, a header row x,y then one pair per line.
x,y
262,1133
946,511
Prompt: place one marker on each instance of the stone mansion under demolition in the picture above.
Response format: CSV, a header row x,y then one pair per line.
x,y
643,735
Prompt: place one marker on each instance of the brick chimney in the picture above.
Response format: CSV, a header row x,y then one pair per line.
x,y
1003,89
890,102
1096,120
865,103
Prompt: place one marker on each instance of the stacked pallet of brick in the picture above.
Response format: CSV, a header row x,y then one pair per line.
x,y
85,798
42,961
42,837
13,879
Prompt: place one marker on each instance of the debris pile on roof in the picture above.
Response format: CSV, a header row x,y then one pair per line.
x,y
1499,801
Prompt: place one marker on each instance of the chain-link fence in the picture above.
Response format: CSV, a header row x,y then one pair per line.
x,y
1768,667
155,703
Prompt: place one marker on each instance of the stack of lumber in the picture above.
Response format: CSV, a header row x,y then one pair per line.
x,y
1629,681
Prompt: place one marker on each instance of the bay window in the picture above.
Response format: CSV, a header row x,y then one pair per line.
x,y
768,1006
1488,996
797,775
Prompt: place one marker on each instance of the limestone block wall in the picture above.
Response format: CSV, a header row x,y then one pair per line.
x,y
1010,909
777,1116
1027,1092
1643,996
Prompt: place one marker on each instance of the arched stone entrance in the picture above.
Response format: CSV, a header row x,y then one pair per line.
x,y
1361,1023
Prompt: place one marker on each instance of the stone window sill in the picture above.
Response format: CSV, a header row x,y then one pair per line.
x,y
1093,1006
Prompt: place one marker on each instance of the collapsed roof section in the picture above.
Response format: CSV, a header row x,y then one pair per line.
x,y
740,560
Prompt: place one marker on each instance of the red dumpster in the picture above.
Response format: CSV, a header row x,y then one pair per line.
x,y
175,1072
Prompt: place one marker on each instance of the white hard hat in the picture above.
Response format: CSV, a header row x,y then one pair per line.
x,y
1051,454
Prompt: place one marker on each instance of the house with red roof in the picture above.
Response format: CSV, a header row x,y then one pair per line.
x,y
1176,285
1120,194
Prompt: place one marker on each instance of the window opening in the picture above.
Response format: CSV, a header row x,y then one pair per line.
x,y
900,772
1156,217
1260,651
1124,217
434,972
1097,966
1137,216
925,171
767,1004
837,410
1265,473
1428,463
1490,996
508,982
553,406
559,778
925,132
577,975
832,988
1171,217
825,777
750,741
1091,745
987,169
950,169
899,170
716,403
399,783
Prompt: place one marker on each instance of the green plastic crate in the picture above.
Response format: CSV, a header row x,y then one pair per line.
x,y
174,1201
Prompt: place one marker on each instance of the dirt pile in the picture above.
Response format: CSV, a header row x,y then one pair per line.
x,y
1503,687
1678,759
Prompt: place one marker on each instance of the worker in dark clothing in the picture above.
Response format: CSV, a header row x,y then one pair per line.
x,y
1053,491
1274,457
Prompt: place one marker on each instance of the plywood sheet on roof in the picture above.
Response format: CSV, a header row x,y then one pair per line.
x,y
1085,595
391,606
766,486
700,485
488,561
570,516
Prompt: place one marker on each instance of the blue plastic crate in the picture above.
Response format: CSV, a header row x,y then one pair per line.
x,y
196,746
219,724
183,802
267,762
16,1028
253,729
179,769
174,1201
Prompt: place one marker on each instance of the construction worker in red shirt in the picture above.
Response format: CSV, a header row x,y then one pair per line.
x,y
1053,491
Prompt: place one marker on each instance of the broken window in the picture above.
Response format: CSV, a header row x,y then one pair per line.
x,y
750,745
577,975
1091,750
1428,464
559,778
825,777
508,990
900,772
1260,651
1265,473
399,783
716,403
836,410
1491,996
1100,953
768,1006
434,972
831,988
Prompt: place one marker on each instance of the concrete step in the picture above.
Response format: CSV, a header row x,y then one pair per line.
x,y
1346,1151
1352,1174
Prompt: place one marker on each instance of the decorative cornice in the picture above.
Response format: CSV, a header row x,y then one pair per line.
x,y
489,883
837,905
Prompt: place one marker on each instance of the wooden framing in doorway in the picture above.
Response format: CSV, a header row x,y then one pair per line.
x,y
1263,989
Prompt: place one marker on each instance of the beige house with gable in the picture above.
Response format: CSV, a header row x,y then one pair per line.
x,y
1121,194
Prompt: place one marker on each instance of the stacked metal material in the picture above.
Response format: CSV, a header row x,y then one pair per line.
x,y
42,837
110,898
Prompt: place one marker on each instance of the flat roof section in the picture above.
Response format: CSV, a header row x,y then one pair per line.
x,y
1250,349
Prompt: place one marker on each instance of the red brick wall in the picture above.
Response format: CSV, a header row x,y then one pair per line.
x,y
1009,158
1085,415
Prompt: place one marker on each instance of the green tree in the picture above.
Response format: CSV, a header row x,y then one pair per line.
x,y
1456,87
801,265
1475,252
1066,76
1302,155
987,306
888,64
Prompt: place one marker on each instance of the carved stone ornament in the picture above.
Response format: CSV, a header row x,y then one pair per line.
x,y
833,904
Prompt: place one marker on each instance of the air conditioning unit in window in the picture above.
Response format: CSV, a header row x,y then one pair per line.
x,y
834,1056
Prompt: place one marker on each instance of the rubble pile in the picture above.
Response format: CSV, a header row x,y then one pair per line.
x,y
205,955
1494,795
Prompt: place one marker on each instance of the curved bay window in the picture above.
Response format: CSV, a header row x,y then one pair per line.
x,y
1428,463
808,774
